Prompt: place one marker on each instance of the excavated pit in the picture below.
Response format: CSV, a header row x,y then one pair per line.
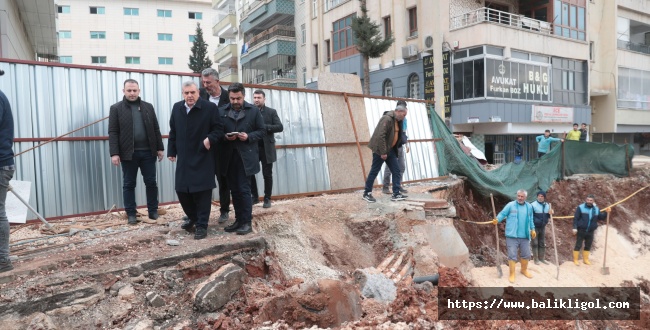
x,y
298,266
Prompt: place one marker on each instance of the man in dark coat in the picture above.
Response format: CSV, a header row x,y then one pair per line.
x,y
135,142
194,128
239,159
7,169
213,92
266,146
585,222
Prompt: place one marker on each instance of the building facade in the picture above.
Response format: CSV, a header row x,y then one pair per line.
x,y
136,34
225,28
268,54
27,30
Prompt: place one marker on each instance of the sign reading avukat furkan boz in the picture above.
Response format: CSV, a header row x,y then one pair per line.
x,y
518,81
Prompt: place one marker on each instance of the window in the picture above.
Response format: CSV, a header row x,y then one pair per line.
x,y
164,37
569,81
97,10
63,9
633,89
387,89
413,21
192,15
65,59
328,54
131,11
132,60
570,18
314,8
65,34
165,60
97,34
303,34
342,38
387,28
192,38
468,79
132,35
329,4
98,59
164,13
414,86
315,54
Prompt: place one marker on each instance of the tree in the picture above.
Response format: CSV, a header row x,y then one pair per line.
x,y
370,42
199,58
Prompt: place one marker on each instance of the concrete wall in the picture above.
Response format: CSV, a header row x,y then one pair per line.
x,y
14,42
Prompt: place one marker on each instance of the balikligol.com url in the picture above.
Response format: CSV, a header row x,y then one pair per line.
x,y
538,304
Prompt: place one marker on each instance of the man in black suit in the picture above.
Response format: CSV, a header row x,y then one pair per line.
x,y
239,158
194,128
266,146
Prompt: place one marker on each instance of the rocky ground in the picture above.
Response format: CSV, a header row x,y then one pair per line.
x,y
316,263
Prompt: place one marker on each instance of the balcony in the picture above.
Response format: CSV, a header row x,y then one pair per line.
x,y
225,25
276,31
489,15
633,36
217,4
277,70
258,18
226,51
633,47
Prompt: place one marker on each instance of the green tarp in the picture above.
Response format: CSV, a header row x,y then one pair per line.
x,y
534,175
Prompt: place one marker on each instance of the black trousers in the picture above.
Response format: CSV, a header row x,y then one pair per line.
x,y
584,236
224,193
197,206
267,173
240,188
540,240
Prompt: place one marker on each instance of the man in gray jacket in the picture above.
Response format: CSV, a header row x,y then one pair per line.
x,y
135,142
383,144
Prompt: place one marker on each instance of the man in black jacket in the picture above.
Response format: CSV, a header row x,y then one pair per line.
x,y
213,92
194,128
135,142
585,222
239,159
268,156
7,169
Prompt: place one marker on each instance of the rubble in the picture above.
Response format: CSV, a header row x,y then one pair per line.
x,y
374,284
217,290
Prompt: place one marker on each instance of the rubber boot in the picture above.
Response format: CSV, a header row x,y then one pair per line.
x,y
524,268
542,255
575,257
585,257
535,256
511,264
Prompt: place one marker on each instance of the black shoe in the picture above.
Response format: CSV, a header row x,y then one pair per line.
x,y
398,197
403,191
188,225
153,215
6,266
368,197
201,233
232,228
244,229
132,220
267,203
223,217
255,200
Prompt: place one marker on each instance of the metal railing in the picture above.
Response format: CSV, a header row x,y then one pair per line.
x,y
489,15
632,46
276,31
225,45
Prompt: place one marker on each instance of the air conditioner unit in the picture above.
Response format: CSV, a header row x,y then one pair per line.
x,y
428,42
409,51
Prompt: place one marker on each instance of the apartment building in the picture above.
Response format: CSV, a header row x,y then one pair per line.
x,y
620,72
138,34
268,54
27,30
225,28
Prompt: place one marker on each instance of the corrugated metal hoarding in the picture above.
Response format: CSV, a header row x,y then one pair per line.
x,y
73,177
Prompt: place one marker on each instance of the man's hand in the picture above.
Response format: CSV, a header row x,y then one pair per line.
x,y
551,212
242,136
562,140
206,143
115,160
160,155
231,137
172,159
575,232
495,221
533,234
609,209
384,157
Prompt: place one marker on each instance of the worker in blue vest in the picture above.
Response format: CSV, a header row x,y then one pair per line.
x,y
585,222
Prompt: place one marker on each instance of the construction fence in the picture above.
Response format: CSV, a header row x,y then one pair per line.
x,y
322,148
